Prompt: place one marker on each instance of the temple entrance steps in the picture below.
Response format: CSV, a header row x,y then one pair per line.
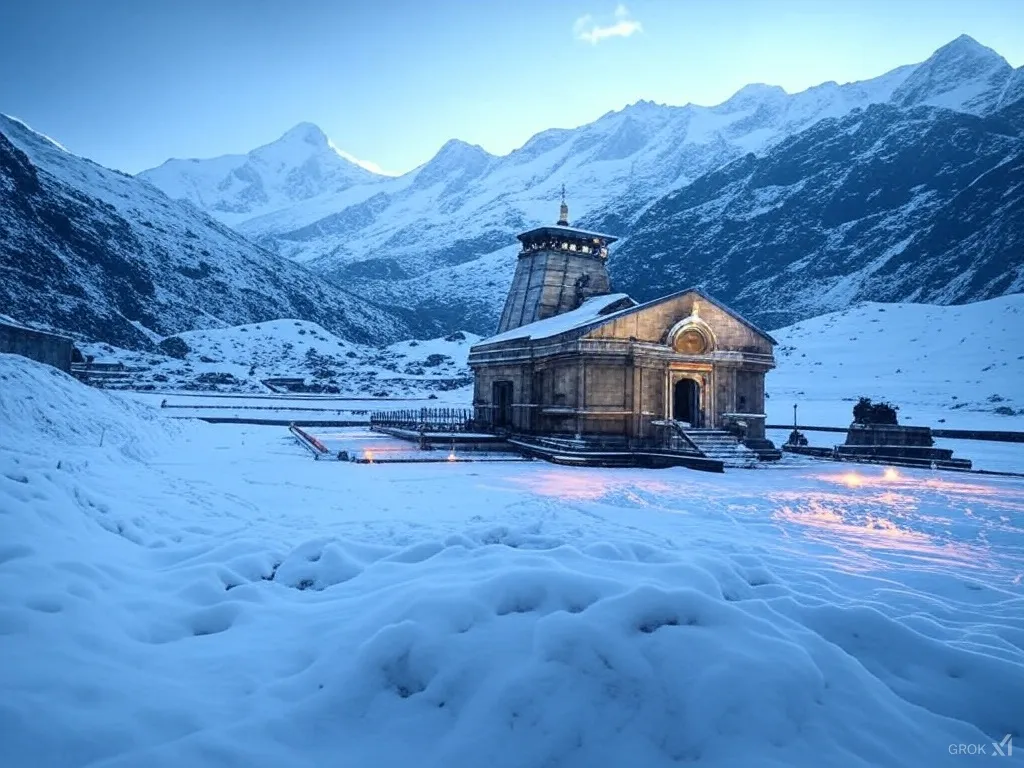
x,y
721,445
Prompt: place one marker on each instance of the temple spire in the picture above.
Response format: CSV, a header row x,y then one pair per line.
x,y
563,212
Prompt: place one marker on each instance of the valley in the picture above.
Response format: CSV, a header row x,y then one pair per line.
x,y
654,433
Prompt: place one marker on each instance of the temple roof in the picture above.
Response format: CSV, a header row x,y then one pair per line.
x,y
581,234
710,299
598,310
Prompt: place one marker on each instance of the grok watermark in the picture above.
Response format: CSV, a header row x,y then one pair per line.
x,y
1002,748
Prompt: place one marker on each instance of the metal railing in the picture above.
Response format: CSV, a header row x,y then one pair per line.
x,y
425,419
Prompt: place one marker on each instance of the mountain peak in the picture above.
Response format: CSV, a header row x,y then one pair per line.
x,y
967,52
457,150
453,145
645,104
957,76
751,95
455,159
307,133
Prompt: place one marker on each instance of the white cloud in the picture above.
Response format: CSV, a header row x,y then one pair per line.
x,y
593,31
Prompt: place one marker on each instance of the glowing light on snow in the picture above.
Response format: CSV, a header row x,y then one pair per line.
x,y
368,455
868,538
588,485
955,489
852,480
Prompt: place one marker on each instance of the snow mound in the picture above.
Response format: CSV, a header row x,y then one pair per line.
x,y
450,351
275,346
41,407
253,608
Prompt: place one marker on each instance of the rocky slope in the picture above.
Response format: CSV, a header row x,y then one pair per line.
x,y
885,204
107,256
241,358
440,239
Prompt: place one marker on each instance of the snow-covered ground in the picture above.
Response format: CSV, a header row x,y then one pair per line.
x,y
183,594
240,358
985,455
292,408
953,367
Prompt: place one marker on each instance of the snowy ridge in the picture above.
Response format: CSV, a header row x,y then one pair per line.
x,y
437,231
303,163
43,409
106,256
244,605
884,204
960,367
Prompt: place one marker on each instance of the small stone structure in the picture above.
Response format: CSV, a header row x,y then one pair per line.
x,y
572,358
896,444
49,348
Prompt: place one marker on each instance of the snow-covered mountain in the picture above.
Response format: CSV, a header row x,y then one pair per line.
x,y
300,165
107,256
440,239
961,75
885,204
465,202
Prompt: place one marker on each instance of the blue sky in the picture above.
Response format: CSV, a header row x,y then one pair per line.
x,y
130,83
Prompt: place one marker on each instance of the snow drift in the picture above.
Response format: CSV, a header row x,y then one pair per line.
x,y
43,410
203,609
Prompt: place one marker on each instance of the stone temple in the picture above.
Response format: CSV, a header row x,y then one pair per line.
x,y
571,358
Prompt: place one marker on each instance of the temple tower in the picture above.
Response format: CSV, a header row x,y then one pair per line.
x,y
558,268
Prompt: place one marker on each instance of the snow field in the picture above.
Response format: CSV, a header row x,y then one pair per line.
x,y
225,601
239,358
955,367
42,408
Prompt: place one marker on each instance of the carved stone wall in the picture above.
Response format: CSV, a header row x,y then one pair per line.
x,y
615,378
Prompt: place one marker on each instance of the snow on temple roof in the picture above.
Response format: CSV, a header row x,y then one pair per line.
x,y
593,309
598,309
567,231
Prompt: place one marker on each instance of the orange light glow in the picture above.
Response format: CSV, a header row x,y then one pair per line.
x,y
891,474
852,480
591,485
451,456
368,455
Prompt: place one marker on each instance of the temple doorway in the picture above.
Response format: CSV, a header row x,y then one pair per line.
x,y
686,402
502,399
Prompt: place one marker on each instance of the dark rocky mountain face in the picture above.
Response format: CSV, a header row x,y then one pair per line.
x,y
884,204
105,256
911,196
440,240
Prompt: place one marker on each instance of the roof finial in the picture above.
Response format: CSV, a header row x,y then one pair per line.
x,y
563,212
